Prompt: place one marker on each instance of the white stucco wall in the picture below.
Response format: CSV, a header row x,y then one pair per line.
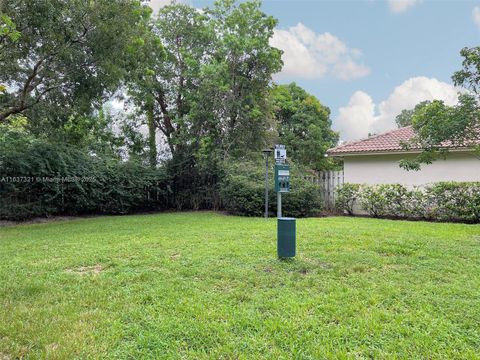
x,y
384,169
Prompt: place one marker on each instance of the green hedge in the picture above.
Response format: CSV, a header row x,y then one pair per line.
x,y
38,178
242,192
442,201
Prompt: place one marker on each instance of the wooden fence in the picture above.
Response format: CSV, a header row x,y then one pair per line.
x,y
329,181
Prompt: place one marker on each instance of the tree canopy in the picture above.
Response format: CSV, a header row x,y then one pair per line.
x,y
405,117
66,55
304,125
210,90
437,124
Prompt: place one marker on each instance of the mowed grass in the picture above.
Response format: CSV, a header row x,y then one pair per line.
x,y
206,285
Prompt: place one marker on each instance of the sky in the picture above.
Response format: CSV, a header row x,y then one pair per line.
x,y
367,60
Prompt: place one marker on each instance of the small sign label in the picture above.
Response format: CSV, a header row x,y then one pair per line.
x,y
280,153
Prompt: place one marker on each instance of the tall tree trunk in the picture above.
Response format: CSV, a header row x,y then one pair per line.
x,y
152,143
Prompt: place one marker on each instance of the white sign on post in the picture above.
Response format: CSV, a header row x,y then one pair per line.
x,y
280,153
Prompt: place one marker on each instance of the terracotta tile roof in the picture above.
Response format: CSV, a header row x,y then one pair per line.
x,y
387,142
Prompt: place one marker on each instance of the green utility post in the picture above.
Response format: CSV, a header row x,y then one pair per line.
x,y
286,227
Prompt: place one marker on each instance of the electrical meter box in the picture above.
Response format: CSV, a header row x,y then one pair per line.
x,y
282,178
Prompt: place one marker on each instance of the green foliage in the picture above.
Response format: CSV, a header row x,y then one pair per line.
x,y
8,35
386,200
213,77
346,196
8,31
453,200
67,57
443,201
304,198
91,132
438,125
203,79
243,192
195,185
209,87
304,126
469,76
405,117
242,68
40,178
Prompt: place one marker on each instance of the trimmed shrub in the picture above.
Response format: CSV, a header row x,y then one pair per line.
x,y
454,200
443,201
346,197
242,192
242,196
303,200
385,200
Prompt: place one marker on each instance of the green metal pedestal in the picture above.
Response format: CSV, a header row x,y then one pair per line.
x,y
286,237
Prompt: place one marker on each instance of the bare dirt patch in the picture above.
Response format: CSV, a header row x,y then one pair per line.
x,y
86,270
174,256
4,356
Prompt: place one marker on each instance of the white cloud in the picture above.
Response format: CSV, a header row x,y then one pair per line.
x,y
312,56
400,6
357,117
362,116
476,16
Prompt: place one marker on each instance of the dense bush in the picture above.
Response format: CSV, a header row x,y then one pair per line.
x,y
303,200
39,178
243,193
443,201
386,200
43,178
451,200
346,197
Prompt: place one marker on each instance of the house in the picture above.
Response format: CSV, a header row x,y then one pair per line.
x,y
376,161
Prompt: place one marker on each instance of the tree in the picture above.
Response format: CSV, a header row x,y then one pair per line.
x,y
209,83
469,76
437,125
68,55
240,74
93,133
141,82
304,125
405,117
210,89
167,84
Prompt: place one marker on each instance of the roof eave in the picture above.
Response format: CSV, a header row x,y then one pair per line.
x,y
389,152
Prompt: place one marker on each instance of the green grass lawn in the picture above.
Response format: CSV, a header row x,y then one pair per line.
x,y
206,285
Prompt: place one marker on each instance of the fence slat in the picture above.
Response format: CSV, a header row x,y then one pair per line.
x,y
329,181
